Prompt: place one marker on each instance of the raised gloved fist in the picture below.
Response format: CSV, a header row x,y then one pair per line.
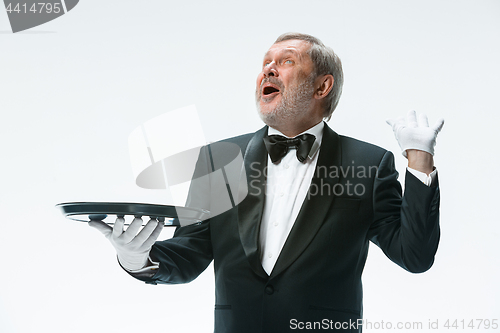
x,y
132,246
415,134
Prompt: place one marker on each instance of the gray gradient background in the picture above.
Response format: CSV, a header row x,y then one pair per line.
x,y
73,89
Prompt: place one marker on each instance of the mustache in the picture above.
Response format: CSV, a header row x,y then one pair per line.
x,y
272,80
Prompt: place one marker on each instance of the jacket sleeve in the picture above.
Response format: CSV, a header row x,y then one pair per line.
x,y
405,228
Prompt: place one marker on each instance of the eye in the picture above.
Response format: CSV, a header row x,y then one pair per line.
x,y
288,62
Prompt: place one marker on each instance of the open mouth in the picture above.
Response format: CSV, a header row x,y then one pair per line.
x,y
269,89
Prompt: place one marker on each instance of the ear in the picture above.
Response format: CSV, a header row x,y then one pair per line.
x,y
323,85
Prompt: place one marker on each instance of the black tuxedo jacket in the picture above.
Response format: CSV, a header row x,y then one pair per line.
x,y
316,281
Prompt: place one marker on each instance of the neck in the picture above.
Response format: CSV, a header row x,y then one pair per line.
x,y
292,130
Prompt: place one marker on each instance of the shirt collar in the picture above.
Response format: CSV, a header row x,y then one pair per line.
x,y
316,130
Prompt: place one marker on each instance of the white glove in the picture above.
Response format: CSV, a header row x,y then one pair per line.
x,y
131,247
413,134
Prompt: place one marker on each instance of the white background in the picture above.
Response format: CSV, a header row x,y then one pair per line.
x,y
73,89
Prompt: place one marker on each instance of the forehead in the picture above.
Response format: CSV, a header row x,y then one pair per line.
x,y
294,46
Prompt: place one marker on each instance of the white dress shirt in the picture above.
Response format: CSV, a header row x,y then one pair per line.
x,y
287,185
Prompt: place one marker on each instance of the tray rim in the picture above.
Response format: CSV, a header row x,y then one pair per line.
x,y
69,209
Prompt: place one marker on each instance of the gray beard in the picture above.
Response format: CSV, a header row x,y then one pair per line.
x,y
295,101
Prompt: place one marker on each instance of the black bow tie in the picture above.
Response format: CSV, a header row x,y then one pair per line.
x,y
278,146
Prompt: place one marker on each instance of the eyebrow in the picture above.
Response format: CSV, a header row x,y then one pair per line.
x,y
293,51
284,52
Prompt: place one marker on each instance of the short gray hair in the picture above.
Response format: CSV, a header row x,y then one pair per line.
x,y
325,62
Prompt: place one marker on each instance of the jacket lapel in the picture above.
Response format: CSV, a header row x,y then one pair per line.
x,y
251,208
315,207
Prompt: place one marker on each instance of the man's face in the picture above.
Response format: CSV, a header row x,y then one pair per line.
x,y
285,87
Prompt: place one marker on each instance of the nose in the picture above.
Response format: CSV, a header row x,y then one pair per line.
x,y
270,70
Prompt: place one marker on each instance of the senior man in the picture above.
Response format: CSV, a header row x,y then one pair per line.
x,y
291,254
